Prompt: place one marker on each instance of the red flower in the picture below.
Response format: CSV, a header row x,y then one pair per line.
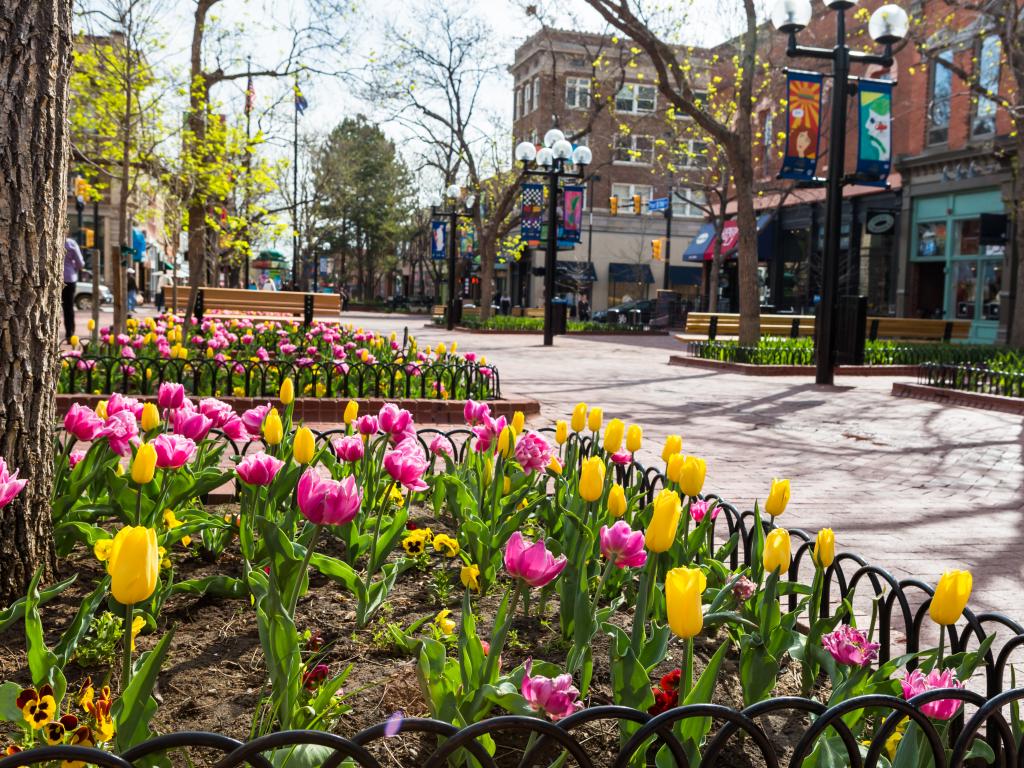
x,y
671,680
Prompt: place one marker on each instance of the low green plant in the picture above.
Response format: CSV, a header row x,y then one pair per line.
x,y
101,646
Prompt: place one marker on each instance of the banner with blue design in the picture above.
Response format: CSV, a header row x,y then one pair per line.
x,y
874,149
532,215
438,240
803,107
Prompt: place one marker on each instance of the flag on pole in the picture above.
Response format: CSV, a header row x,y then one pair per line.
x,y
300,101
250,96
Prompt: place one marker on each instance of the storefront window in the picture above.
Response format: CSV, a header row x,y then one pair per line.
x,y
965,285
991,283
931,240
968,235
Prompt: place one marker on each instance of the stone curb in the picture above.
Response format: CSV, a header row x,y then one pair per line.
x,y
981,400
331,410
746,369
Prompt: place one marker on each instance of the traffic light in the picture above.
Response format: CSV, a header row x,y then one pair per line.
x,y
90,238
656,250
81,187
613,205
636,204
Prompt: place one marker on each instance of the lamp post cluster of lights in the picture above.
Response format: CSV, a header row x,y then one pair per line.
x,y
887,26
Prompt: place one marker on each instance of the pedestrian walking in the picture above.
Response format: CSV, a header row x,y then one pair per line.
x,y
73,265
133,290
163,281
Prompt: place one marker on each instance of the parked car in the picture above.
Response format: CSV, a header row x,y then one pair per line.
x,y
83,294
620,314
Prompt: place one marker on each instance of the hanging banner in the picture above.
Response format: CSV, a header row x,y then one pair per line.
x,y
467,243
532,216
438,240
803,91
572,213
874,150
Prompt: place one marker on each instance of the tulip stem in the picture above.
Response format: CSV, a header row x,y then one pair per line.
x,y
688,674
942,647
293,598
138,507
371,565
126,662
640,616
497,644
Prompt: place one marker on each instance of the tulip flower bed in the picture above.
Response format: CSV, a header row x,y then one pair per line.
x,y
248,358
1004,378
773,350
486,592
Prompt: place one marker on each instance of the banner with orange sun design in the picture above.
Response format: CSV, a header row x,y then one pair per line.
x,y
802,125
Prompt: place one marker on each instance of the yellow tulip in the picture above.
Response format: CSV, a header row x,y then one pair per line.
x,y
133,564
613,435
683,588
674,470
507,442
305,445
661,531
561,432
441,349
592,478
579,417
351,411
74,341
673,445
101,409
824,548
634,438
455,346
951,596
287,393
691,480
778,497
273,429
506,486
91,324
555,466
150,417
209,353
617,501
518,422
776,551
594,419
144,464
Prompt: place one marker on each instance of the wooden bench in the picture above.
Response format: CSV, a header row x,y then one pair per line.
x,y
793,326
438,311
528,312
264,305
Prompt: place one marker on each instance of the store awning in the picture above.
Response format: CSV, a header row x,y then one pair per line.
x,y
619,272
680,275
702,248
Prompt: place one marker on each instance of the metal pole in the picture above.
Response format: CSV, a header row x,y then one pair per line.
x,y
833,207
453,223
668,235
296,263
248,156
551,255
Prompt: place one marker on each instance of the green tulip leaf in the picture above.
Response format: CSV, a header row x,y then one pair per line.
x,y
135,707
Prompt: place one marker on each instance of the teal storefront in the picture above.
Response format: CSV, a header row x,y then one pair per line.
x,y
953,274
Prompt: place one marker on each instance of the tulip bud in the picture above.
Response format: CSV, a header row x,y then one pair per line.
x,y
683,588
74,340
674,469
507,442
287,393
664,521
673,445
613,435
101,409
579,417
561,432
91,324
133,565
778,497
555,466
634,438
351,412
273,429
776,551
594,419
824,548
209,353
150,417
592,478
691,479
304,446
144,464
951,596
617,501
518,422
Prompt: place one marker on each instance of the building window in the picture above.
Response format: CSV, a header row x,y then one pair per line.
x,y
638,150
527,98
938,104
536,92
625,194
695,154
636,99
689,203
577,92
515,105
767,160
984,121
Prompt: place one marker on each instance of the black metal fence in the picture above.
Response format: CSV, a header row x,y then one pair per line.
x,y
973,379
248,378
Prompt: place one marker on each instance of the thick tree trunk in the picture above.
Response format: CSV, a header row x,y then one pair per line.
x,y
746,219
35,65
1016,331
488,258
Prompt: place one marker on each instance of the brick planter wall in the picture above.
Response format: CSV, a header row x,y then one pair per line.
x,y
1013,405
746,369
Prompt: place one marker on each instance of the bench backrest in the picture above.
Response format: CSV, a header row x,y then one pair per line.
x,y
712,324
916,328
308,305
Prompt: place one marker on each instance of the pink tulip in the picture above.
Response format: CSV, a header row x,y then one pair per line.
x,y
487,432
253,419
10,485
406,465
74,457
393,419
349,448
556,698
216,411
623,546
533,453
699,509
849,646
367,425
173,451
259,468
327,502
475,412
170,395
121,430
191,424
119,402
916,682
534,564
235,429
441,446
82,422
622,458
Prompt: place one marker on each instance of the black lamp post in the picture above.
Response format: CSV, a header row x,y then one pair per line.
x,y
888,25
453,214
550,164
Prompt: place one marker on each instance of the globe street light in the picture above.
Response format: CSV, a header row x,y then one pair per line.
x,y
549,162
455,197
887,26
